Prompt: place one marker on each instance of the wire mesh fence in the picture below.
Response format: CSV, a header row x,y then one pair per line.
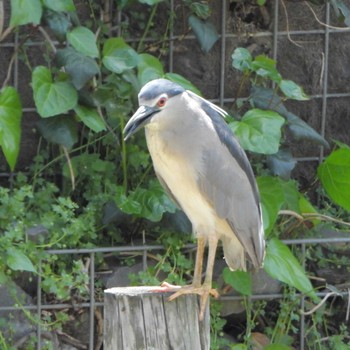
x,y
92,304
326,109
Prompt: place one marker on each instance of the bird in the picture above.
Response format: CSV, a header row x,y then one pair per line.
x,y
204,170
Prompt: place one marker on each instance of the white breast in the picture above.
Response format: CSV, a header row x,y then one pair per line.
x,y
180,177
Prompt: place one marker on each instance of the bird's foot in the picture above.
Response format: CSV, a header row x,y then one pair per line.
x,y
202,290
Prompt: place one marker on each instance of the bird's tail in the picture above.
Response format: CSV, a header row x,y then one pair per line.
x,y
234,253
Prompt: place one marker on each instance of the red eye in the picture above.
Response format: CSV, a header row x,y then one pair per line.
x,y
161,102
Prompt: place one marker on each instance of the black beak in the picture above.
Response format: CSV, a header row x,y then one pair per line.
x,y
141,117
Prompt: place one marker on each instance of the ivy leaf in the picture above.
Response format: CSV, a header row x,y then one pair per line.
x,y
80,68
149,203
293,90
154,202
339,5
60,6
90,118
266,67
118,56
272,198
84,41
241,59
179,79
204,31
276,194
291,195
58,22
18,261
150,2
149,68
281,264
266,98
127,204
241,281
334,174
301,130
10,124
61,130
200,9
52,98
281,163
259,131
306,207
25,11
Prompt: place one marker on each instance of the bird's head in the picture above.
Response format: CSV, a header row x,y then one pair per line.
x,y
155,97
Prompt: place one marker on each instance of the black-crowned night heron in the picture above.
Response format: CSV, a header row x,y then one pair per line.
x,y
205,171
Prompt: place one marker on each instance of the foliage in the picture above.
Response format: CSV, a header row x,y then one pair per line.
x,y
87,187
334,174
10,124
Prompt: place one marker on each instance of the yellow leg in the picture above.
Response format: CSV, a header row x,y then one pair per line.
x,y
197,278
207,285
196,288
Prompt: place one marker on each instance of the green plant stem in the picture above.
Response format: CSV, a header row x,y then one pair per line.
x,y
51,162
3,342
124,157
148,26
248,333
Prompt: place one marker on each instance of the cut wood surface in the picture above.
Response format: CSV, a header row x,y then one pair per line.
x,y
140,318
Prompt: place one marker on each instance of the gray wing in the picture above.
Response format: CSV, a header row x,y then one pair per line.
x,y
228,182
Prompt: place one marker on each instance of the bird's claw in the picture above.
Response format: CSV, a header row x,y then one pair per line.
x,y
203,291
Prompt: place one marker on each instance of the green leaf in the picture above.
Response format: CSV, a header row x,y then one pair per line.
x,y
334,174
204,31
127,204
10,124
306,207
301,130
52,98
61,130
84,41
201,10
80,68
277,346
239,347
25,11
339,5
341,144
266,98
179,79
149,68
282,265
149,203
90,118
259,131
18,261
276,194
272,198
150,2
291,195
118,56
154,202
266,67
59,6
242,59
58,22
293,90
241,281
281,163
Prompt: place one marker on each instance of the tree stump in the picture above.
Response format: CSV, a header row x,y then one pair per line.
x,y
139,318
